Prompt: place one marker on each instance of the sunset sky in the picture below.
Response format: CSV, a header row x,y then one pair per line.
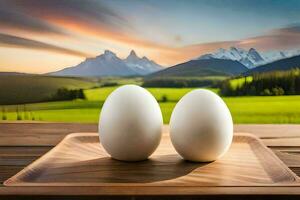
x,y
39,36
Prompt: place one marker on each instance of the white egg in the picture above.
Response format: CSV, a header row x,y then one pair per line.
x,y
130,124
201,127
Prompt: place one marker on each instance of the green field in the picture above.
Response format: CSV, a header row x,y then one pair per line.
x,y
172,94
263,109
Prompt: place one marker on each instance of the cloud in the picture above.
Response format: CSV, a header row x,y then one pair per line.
x,y
294,28
11,18
90,12
19,42
103,22
90,17
280,39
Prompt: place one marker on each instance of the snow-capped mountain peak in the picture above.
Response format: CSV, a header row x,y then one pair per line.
x,y
141,65
109,64
255,56
234,49
145,58
108,55
132,56
250,58
274,55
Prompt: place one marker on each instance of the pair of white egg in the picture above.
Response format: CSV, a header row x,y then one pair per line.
x,y
130,125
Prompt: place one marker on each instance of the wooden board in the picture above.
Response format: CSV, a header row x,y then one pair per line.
x,y
290,159
268,131
39,133
79,160
283,142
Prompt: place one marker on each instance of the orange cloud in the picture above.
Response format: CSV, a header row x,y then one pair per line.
x,y
93,19
20,42
107,34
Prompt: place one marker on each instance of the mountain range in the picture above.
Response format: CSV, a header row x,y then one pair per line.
x,y
250,58
108,64
233,61
223,62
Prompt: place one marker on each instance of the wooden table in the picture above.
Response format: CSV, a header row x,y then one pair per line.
x,y
22,143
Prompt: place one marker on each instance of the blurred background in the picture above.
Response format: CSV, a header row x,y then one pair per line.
x,y
59,60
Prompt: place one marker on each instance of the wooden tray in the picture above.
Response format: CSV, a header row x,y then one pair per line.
x,y
79,160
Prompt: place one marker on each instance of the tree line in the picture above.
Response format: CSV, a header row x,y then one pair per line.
x,y
265,84
67,94
179,82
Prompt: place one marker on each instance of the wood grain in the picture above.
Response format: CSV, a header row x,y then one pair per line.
x,y
290,159
23,142
267,131
283,142
50,134
39,134
79,160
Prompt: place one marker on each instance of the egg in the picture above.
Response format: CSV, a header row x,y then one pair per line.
x,y
130,124
201,127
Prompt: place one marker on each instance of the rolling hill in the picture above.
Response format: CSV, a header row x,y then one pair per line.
x,y
13,74
280,65
205,67
17,89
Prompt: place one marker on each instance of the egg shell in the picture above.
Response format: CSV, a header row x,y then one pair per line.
x,y
130,124
201,127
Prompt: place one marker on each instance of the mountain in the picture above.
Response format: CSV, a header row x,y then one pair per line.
x,y
204,67
254,56
141,66
272,56
108,64
280,65
250,58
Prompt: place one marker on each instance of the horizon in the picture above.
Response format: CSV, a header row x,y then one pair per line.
x,y
139,56
46,36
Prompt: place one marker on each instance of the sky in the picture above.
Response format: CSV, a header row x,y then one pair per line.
x,y
40,36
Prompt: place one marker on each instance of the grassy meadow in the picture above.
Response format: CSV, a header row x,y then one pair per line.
x,y
262,109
